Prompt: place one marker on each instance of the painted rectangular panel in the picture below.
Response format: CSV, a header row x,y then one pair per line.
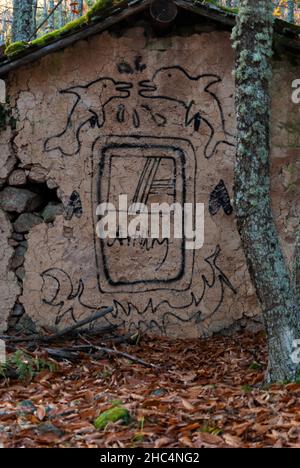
x,y
148,170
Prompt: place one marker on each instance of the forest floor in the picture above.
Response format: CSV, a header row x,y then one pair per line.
x,y
206,393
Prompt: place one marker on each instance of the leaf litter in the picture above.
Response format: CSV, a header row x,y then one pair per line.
x,y
206,393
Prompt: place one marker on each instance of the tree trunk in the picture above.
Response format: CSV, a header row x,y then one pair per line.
x,y
61,15
52,18
3,27
291,11
45,10
34,19
16,14
296,266
80,7
22,20
252,38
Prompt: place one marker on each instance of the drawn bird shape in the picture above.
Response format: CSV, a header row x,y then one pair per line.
x,y
194,93
88,110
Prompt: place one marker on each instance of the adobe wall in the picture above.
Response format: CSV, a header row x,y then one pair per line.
x,y
89,127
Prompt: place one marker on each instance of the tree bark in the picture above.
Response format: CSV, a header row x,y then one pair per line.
x,y
252,38
45,10
80,7
296,267
22,20
291,11
34,19
16,5
61,15
52,18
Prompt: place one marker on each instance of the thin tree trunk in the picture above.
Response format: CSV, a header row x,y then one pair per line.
x,y
51,19
274,286
22,20
3,27
296,266
61,15
34,19
291,11
69,15
80,7
16,14
45,10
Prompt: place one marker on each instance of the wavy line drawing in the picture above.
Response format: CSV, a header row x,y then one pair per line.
x,y
62,296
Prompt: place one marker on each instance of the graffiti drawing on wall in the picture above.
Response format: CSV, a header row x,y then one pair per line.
x,y
152,167
65,298
197,113
164,170
108,89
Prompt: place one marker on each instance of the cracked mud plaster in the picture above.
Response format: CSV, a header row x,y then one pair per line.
x,y
9,288
66,278
7,159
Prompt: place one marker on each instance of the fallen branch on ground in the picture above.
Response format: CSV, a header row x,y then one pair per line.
x,y
115,352
73,353
63,333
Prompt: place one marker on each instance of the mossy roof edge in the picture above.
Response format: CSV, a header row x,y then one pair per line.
x,y
100,11
96,21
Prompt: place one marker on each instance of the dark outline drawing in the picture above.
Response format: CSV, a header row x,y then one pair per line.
x,y
159,119
153,171
74,206
196,117
174,312
219,198
97,117
138,66
65,304
96,202
122,311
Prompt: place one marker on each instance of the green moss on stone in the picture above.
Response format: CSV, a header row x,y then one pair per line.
x,y
100,6
114,414
97,10
46,38
217,5
15,48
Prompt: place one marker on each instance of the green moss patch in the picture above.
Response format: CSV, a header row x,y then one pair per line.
x,y
15,48
98,9
101,9
114,414
53,35
216,4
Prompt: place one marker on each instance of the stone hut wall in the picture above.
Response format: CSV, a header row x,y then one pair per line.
x,y
152,118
